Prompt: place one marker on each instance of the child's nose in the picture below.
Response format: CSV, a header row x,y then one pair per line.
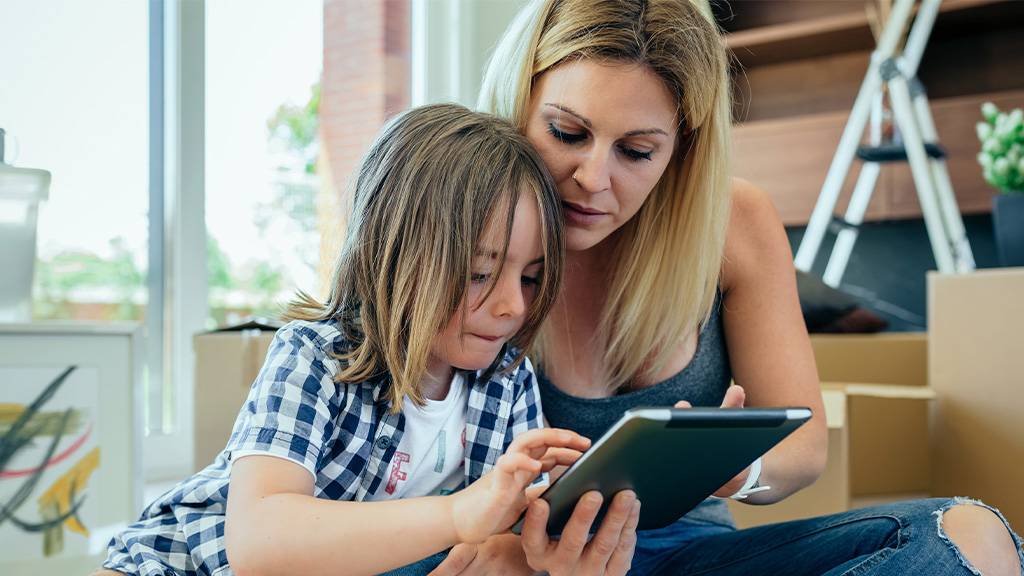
x,y
509,301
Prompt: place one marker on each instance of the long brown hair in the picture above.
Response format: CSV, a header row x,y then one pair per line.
x,y
433,180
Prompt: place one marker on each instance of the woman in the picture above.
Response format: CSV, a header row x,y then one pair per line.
x,y
679,280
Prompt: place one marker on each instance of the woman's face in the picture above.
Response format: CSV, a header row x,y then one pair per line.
x,y
606,132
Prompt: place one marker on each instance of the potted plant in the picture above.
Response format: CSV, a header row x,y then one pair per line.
x,y
1002,162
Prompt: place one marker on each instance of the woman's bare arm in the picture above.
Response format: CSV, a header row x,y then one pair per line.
x,y
769,349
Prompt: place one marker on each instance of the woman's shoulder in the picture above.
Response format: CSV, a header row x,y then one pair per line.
x,y
755,234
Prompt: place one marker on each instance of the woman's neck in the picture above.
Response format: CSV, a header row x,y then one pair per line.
x,y
588,272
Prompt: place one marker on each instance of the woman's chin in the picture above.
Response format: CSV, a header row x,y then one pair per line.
x,y
581,239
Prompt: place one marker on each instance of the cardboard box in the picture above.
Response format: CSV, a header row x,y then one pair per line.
x,y
976,362
227,362
876,406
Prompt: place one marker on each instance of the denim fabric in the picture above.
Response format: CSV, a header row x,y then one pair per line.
x,y
902,538
420,567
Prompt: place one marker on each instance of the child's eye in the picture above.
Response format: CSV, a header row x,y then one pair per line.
x,y
634,154
566,137
530,280
478,278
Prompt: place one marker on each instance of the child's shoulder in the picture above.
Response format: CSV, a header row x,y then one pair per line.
x,y
320,334
520,372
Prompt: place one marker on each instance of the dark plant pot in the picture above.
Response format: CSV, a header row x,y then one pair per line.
x,y
1008,224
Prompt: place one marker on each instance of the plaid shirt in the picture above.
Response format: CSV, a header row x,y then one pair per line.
x,y
344,434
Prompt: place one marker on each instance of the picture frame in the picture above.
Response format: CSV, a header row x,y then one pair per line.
x,y
71,407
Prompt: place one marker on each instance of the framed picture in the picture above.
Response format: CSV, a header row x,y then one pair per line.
x,y
70,443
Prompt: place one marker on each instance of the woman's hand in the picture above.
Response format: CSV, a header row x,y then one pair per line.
x,y
495,501
609,552
735,396
500,554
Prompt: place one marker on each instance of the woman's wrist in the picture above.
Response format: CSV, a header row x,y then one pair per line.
x,y
753,483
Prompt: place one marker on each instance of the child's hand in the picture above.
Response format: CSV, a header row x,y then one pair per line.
x,y
494,502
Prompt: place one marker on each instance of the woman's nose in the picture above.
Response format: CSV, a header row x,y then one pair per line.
x,y
593,172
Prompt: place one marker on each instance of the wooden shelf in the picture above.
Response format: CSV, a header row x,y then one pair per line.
x,y
789,158
850,31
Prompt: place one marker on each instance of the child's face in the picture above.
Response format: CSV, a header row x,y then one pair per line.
x,y
490,322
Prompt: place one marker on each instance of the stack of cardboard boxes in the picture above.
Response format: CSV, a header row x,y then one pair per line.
x,y
227,362
876,395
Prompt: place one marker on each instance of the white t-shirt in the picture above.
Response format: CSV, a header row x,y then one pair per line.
x,y
430,459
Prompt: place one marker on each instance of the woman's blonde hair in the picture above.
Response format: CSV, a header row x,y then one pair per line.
x,y
669,257
435,178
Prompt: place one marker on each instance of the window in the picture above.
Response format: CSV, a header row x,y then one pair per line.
x,y
74,102
263,66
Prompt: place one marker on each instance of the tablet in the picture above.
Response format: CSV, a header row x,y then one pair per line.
x,y
672,458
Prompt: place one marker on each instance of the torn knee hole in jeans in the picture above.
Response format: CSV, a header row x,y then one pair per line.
x,y
962,501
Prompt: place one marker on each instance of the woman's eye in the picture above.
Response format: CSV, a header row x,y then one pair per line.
x,y
478,278
634,154
530,280
567,137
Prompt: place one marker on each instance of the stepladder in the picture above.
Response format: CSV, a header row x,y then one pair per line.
x,y
892,74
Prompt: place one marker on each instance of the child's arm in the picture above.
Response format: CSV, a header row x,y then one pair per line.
x,y
275,525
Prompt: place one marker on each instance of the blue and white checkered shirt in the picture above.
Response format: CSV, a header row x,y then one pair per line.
x,y
344,434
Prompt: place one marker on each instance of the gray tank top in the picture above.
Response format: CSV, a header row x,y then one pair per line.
x,y
702,382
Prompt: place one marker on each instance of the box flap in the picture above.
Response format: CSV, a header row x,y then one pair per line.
x,y
252,323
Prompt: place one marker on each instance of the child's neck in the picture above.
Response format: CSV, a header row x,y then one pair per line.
x,y
436,382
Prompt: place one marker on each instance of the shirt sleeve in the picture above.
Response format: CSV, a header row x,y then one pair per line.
x,y
526,409
293,404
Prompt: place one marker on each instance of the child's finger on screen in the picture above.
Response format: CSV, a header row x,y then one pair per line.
x,y
533,492
512,462
539,440
559,457
683,404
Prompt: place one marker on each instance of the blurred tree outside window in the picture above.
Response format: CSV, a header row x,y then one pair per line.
x,y
262,147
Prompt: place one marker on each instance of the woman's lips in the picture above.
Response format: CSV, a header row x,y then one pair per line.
x,y
582,216
487,338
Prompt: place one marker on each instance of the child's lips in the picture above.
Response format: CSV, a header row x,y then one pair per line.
x,y
486,337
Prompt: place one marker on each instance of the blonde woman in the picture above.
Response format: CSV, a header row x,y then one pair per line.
x,y
679,280
407,384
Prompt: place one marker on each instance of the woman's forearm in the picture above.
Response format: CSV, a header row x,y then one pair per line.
x,y
298,534
791,466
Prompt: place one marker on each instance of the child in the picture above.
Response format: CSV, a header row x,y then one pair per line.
x,y
373,409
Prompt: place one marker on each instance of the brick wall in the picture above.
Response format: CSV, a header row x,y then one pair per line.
x,y
366,80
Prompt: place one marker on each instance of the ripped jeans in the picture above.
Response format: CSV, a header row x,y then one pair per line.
x,y
902,538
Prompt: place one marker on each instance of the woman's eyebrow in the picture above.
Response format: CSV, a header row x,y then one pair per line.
x,y
586,122
570,111
646,132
